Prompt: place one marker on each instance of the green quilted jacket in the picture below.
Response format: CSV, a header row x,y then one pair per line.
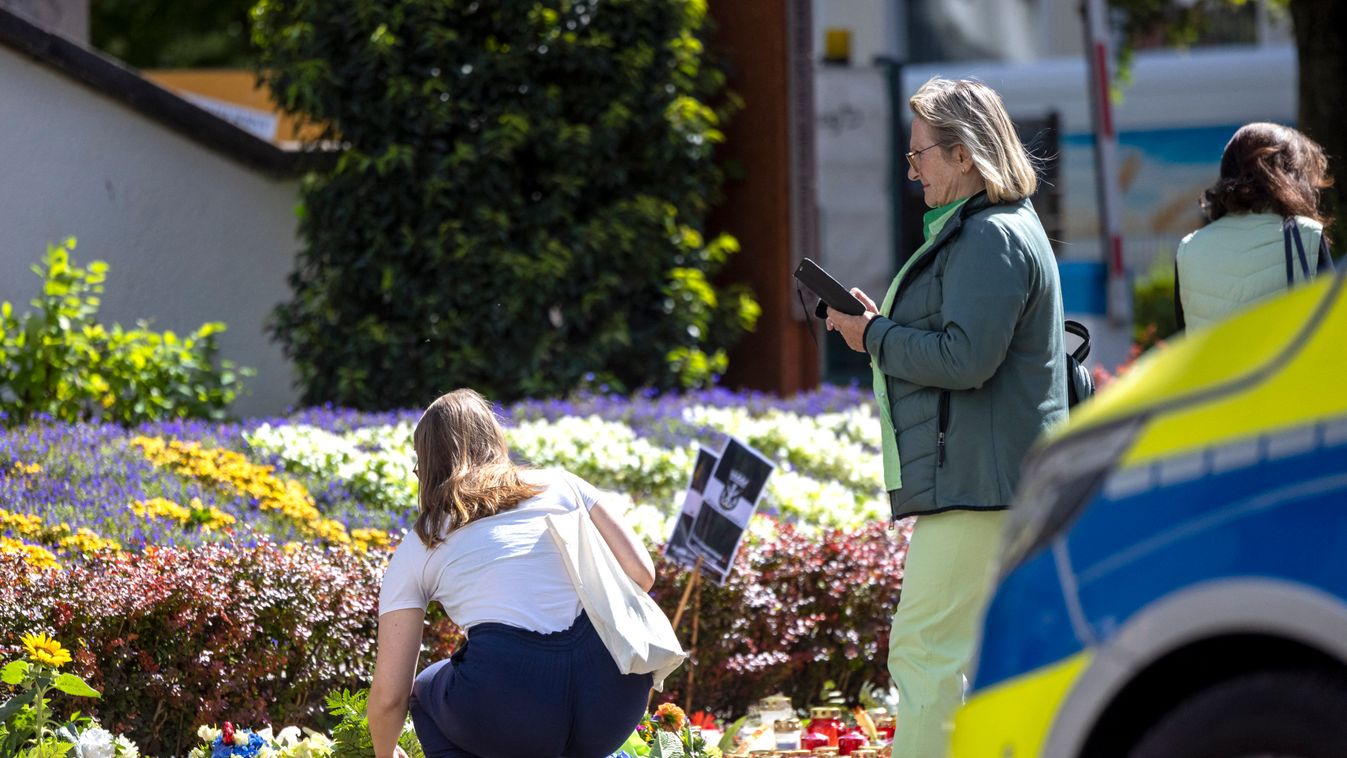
x,y
973,353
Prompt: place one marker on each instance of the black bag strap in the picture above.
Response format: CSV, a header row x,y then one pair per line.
x,y
1325,256
1082,351
1300,249
1287,224
1291,231
1178,299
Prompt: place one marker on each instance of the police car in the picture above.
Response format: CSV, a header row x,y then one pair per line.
x,y
1174,579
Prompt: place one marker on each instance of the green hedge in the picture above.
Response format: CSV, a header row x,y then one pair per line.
x,y
61,362
520,202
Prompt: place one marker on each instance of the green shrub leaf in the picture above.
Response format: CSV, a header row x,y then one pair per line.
x,y
73,685
14,672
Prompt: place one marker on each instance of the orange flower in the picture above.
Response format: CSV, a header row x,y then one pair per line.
x,y
671,717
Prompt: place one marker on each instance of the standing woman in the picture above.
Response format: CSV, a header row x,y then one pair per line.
x,y
1266,232
533,680
969,365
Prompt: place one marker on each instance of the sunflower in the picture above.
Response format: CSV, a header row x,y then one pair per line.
x,y
44,649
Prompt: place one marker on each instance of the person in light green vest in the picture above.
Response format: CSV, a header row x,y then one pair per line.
x,y
969,368
1267,226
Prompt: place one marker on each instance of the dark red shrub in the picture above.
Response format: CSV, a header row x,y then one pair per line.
x,y
176,638
258,635
796,612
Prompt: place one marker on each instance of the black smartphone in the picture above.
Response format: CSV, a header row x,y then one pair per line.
x,y
821,283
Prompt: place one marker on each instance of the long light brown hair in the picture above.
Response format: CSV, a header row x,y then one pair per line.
x,y
464,467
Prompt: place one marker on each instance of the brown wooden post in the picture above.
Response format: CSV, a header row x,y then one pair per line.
x,y
772,208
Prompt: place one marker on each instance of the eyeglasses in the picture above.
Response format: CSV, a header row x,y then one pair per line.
x,y
912,156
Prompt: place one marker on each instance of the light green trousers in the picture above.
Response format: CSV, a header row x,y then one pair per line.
x,y
950,561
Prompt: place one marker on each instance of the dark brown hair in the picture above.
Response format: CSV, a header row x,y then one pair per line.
x,y
464,467
1269,168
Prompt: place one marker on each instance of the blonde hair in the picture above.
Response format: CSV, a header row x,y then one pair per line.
x,y
464,466
971,114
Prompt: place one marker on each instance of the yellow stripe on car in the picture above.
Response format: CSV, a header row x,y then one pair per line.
x,y
1223,355
1013,719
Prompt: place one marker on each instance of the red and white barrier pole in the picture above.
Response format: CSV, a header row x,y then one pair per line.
x,y
1100,58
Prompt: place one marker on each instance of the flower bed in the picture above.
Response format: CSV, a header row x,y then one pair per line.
x,y
342,478
219,572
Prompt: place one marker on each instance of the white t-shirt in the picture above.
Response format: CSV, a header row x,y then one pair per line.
x,y
503,568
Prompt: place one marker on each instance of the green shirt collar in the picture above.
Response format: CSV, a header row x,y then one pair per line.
x,y
934,220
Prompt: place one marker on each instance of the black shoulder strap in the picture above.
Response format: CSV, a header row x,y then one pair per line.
x,y
1287,225
1325,256
1300,248
1178,299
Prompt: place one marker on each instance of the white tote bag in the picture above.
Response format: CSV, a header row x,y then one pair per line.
x,y
632,627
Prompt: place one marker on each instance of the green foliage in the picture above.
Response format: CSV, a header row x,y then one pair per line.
x,y
172,33
351,734
27,728
1153,317
521,201
61,362
667,745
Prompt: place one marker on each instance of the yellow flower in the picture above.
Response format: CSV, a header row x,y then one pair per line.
x,y
232,471
85,541
27,469
44,649
34,555
21,524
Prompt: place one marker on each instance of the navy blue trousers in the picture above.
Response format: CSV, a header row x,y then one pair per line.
x,y
512,693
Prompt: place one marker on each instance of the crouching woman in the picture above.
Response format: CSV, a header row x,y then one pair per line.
x,y
480,548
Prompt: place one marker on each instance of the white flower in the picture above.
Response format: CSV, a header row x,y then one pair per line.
x,y
241,737
96,743
207,733
319,743
126,748
289,736
198,752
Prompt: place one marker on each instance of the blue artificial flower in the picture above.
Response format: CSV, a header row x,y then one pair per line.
x,y
249,750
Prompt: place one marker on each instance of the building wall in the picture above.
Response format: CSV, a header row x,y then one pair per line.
x,y
875,27
189,234
68,18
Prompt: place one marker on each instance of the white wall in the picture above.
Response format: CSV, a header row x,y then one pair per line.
x,y
852,135
69,18
190,235
875,26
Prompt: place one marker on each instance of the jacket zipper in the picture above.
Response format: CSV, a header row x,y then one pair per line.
x,y
942,425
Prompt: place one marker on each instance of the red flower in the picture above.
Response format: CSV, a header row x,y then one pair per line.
x,y
703,720
227,733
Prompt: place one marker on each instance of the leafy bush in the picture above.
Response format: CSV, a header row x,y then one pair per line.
x,y
521,200
1153,317
176,639
59,361
351,734
181,638
797,613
